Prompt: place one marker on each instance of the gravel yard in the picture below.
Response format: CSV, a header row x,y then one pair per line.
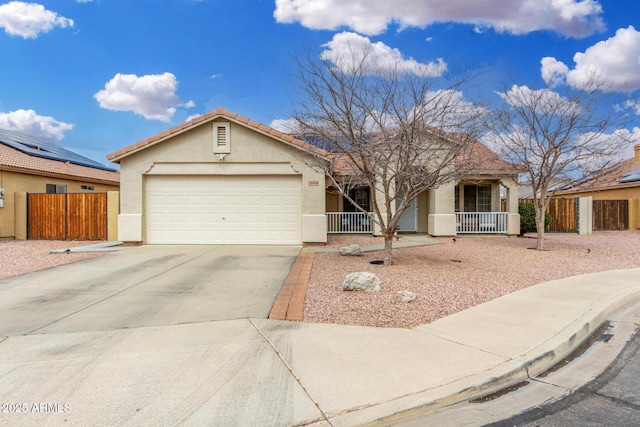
x,y
451,277
24,256
447,278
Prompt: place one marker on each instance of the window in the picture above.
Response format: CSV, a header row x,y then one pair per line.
x,y
86,187
484,198
359,195
221,138
56,189
477,198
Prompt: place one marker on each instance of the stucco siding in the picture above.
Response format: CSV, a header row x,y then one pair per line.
x,y
192,153
16,182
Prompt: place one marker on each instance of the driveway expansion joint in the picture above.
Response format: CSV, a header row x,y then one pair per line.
x,y
291,371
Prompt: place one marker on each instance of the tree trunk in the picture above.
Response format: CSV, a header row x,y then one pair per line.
x,y
388,242
540,211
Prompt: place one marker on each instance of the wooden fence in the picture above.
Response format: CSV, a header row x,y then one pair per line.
x,y
607,215
610,215
564,215
73,216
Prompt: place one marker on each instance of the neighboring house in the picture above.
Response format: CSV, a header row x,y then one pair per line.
x,y
619,182
35,165
525,190
224,179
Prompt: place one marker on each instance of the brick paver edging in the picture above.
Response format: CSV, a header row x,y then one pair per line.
x,y
289,304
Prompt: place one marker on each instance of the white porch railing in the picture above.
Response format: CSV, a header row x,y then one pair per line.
x,y
349,222
481,222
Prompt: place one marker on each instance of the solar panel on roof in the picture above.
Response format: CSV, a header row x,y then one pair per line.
x,y
632,176
40,147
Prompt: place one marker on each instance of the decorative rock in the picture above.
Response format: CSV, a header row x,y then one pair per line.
x,y
405,296
351,250
361,281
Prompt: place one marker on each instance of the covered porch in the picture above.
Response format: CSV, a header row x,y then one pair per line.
x,y
487,206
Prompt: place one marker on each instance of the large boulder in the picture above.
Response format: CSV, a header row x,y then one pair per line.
x,y
405,296
361,281
351,250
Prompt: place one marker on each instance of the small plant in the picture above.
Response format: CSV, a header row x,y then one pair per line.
x,y
528,218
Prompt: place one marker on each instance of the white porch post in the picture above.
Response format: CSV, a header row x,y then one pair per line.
x,y
442,217
513,219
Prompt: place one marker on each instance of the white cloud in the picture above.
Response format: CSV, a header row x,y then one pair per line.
x,y
286,125
151,96
30,123
573,18
347,50
553,71
446,109
544,101
621,142
613,62
27,20
630,104
191,117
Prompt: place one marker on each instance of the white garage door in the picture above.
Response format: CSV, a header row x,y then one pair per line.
x,y
223,209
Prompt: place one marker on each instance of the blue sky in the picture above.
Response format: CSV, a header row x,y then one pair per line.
x,y
98,75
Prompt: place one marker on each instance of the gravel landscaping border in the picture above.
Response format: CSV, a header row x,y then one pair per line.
x,y
19,257
453,276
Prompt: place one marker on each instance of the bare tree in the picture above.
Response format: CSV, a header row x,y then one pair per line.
x,y
388,129
556,136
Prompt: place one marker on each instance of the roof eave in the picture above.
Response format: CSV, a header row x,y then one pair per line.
x,y
601,188
210,117
38,172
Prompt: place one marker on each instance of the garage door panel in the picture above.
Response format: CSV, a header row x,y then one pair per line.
x,y
223,209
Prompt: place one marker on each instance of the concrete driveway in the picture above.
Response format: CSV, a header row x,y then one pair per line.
x,y
146,286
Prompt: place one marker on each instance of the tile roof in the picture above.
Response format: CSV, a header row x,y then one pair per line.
x,y
611,177
210,116
40,147
16,160
476,158
479,158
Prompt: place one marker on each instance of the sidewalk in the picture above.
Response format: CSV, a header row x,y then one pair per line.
x,y
357,375
281,373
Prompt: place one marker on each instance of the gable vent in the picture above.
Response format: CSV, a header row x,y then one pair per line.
x,y
221,138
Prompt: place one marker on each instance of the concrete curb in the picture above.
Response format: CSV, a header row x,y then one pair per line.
x,y
532,363
98,247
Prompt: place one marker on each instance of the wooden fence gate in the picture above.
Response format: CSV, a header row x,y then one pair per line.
x,y
564,215
610,215
73,216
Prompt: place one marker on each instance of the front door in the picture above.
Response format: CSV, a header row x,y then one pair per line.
x,y
409,219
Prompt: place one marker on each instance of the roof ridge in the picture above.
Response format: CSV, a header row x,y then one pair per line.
x,y
218,112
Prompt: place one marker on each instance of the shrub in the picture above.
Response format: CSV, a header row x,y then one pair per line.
x,y
528,218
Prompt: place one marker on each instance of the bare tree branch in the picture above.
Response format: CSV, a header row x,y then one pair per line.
x,y
555,135
396,133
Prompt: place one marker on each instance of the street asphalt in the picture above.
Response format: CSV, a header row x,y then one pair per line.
x,y
178,335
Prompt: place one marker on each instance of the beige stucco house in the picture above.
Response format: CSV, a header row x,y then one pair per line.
x,y
224,179
34,165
